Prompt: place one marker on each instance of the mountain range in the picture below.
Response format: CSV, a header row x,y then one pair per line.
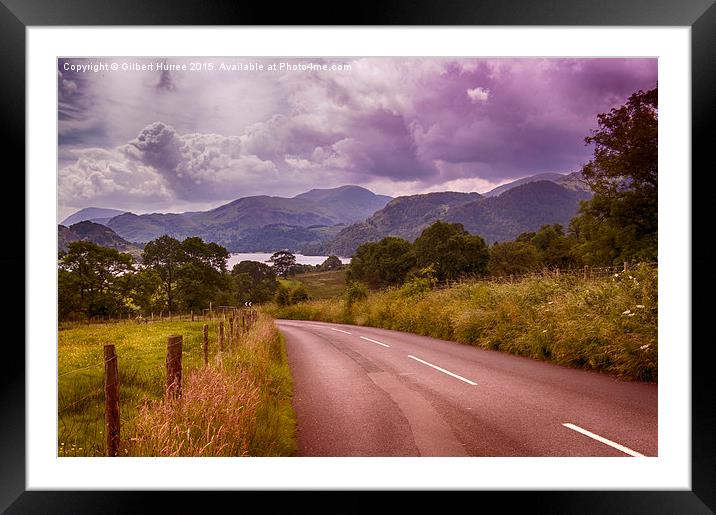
x,y
520,209
98,215
96,233
337,220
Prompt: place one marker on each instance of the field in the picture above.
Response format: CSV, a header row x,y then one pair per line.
x,y
320,285
238,405
608,324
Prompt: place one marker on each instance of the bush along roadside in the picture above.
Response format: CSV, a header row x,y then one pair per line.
x,y
607,324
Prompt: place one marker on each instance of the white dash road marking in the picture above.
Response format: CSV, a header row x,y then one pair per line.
x,y
443,370
339,330
375,341
606,441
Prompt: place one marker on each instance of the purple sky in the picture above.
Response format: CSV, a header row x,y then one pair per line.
x,y
186,140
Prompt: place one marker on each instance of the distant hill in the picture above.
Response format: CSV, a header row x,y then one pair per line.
x,y
359,201
524,208
572,181
405,217
260,222
94,214
520,209
96,233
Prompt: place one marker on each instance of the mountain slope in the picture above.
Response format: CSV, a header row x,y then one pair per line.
x,y
405,217
359,202
523,208
93,214
237,225
96,233
571,181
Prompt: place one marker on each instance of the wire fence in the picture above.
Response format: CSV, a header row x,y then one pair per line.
x,y
86,395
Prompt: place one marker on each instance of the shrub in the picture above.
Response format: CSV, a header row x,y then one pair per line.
x,y
355,291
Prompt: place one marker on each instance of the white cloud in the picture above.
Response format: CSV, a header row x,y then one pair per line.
x,y
478,94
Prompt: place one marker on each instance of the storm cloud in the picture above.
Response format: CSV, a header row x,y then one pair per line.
x,y
155,140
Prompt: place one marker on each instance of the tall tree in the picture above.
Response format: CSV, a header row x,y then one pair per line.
x,y
620,222
254,281
381,263
283,262
93,279
165,255
451,250
512,257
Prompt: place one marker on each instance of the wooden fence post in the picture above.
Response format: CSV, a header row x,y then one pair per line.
x,y
174,349
205,345
111,400
626,266
192,315
221,335
231,332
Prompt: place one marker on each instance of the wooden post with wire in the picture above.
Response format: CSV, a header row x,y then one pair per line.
x,y
221,336
231,332
111,400
174,350
205,344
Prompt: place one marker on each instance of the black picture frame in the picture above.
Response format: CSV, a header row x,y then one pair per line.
x,y
699,15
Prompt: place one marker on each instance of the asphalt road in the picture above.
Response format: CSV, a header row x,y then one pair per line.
x,y
361,391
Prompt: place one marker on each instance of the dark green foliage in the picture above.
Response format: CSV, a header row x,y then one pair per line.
x,y
354,292
382,263
288,295
513,258
94,280
451,250
283,262
298,294
254,282
555,250
620,222
165,255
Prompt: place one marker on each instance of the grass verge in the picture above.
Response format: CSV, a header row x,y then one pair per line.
x,y
607,324
239,405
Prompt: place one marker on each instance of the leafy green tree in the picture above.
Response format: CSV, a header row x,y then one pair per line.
x,y
283,263
512,258
165,255
93,280
331,263
620,222
200,277
147,293
452,250
254,281
381,263
555,250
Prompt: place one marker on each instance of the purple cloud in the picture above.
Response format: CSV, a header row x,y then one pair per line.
x,y
396,125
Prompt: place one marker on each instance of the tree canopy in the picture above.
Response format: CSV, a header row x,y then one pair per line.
x,y
620,222
451,250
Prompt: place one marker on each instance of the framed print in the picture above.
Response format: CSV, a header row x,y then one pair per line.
x,y
254,253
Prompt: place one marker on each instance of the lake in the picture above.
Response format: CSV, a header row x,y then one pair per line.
x,y
263,257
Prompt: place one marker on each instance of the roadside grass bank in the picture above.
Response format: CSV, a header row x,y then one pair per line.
x,y
238,405
607,324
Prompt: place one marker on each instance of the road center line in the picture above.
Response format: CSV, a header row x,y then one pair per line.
x,y
339,330
443,370
375,341
617,446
